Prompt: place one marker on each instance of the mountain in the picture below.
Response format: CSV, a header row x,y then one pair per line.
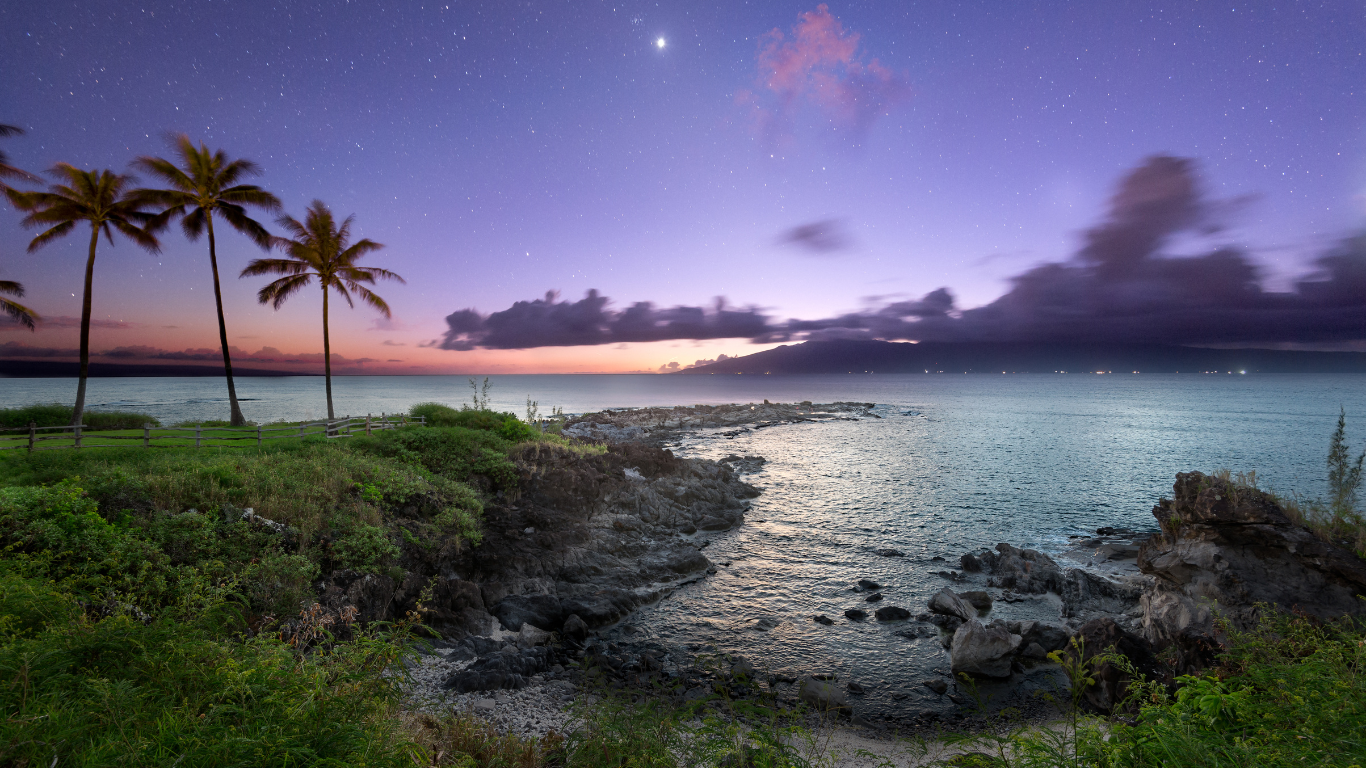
x,y
31,369
1031,357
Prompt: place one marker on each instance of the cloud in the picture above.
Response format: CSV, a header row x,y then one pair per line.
x,y
382,323
66,321
823,237
666,368
818,67
392,343
1120,286
139,352
549,322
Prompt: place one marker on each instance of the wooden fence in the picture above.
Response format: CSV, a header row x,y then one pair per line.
x,y
198,436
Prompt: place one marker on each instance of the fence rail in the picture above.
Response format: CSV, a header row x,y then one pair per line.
x,y
32,436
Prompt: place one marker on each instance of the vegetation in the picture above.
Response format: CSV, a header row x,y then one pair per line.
x,y
319,248
205,183
58,415
100,198
16,311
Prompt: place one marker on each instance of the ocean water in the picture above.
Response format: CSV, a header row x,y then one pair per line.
x,y
955,463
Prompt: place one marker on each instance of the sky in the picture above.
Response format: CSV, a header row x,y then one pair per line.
x,y
691,179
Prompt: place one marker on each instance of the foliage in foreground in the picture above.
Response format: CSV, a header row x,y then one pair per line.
x,y
58,415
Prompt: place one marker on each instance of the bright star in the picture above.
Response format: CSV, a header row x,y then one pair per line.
x,y
660,43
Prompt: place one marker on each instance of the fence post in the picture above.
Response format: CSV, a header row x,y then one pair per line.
x,y
78,435
146,435
348,424
32,435
383,420
301,430
258,435
403,420
367,424
197,429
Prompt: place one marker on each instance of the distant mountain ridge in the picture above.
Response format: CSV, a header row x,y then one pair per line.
x,y
1028,357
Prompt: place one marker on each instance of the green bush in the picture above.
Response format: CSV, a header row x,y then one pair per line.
x,y
58,415
506,425
365,548
457,453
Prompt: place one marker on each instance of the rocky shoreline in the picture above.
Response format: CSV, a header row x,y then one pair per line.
x,y
591,537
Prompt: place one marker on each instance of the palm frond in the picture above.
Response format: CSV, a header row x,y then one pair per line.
x,y
276,292
274,267
10,130
16,311
369,297
50,235
238,219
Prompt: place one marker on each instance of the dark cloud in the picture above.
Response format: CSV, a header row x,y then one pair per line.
x,y
549,322
1120,286
270,355
823,237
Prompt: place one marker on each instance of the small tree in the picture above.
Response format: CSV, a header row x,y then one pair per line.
x,y
1344,475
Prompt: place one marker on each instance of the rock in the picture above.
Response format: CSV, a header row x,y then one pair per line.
x,y
868,585
531,637
853,687
542,611
1111,684
970,563
823,696
574,629
742,668
484,706
1084,592
873,598
937,685
710,523
1034,651
1050,637
889,553
947,623
948,603
500,670
821,618
892,613
765,623
917,632
1024,570
982,650
854,614
978,598
696,693
1224,549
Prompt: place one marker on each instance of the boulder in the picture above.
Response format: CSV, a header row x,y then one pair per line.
x,y
742,668
949,603
982,650
823,696
500,671
574,629
889,553
541,611
1084,592
1225,548
1111,684
978,598
1024,570
873,598
855,614
821,618
530,636
868,585
892,613
937,685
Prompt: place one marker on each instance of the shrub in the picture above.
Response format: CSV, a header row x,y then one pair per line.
x,y
457,453
364,548
58,415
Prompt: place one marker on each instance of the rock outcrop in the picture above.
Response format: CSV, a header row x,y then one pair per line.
x,y
635,424
983,650
1028,571
1224,549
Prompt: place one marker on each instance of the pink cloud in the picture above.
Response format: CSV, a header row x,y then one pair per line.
x,y
819,67
66,321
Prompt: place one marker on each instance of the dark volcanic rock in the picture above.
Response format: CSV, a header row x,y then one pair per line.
x,y
1023,570
889,553
873,598
1233,547
892,613
949,603
574,629
1084,592
983,650
821,618
500,671
855,614
869,585
937,685
1111,684
541,611
979,599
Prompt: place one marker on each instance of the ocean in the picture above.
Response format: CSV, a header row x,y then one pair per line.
x,y
956,462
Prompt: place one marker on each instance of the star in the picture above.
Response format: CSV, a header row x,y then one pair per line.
x,y
660,43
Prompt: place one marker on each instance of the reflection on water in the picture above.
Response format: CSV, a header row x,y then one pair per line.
x,y
957,462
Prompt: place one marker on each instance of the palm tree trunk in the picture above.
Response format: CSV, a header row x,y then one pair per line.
x,y
236,417
79,410
327,357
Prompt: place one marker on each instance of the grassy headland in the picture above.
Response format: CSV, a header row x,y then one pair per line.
x,y
145,620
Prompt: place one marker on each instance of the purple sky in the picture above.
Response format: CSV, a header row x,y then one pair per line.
x,y
852,159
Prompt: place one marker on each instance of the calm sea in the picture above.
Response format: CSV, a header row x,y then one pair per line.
x,y
957,462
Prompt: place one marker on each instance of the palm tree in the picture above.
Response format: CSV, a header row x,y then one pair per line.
x,y
97,197
318,248
8,171
20,313
205,183
17,312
